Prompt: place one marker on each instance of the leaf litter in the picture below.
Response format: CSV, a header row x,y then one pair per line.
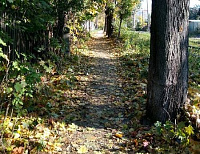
x,y
95,108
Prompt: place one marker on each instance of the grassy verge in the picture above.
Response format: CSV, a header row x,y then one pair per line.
x,y
195,42
165,138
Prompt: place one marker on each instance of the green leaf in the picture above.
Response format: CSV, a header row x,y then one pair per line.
x,y
181,125
181,137
4,56
158,124
2,42
16,65
189,130
168,125
18,87
23,83
9,90
10,1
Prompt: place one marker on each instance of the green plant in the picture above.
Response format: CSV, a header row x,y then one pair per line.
x,y
174,133
21,85
3,57
132,40
20,79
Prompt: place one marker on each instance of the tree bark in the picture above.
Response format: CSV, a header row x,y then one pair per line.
x,y
134,13
168,65
109,20
61,20
89,25
105,25
120,25
96,22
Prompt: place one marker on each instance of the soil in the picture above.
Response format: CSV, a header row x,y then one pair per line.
x,y
103,115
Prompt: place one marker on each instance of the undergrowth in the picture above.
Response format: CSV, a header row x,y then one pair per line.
x,y
30,119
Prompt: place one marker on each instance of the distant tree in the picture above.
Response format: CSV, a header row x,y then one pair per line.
x,y
168,65
195,13
109,11
125,9
134,14
61,8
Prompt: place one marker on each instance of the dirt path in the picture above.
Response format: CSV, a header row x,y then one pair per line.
x,y
102,113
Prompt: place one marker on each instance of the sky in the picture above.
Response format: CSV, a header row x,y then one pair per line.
x,y
194,2
144,3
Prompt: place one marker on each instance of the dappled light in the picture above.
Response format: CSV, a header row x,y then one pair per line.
x,y
89,77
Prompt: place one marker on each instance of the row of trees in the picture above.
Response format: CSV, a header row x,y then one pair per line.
x,y
121,9
36,25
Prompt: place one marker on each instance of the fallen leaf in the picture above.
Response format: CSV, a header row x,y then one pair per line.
x,y
133,134
135,142
82,149
18,150
119,135
72,127
145,143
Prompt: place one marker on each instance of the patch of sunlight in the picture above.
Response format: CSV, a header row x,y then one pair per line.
x,y
97,34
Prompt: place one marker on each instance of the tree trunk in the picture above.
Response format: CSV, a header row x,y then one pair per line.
x,y
89,25
109,18
60,25
96,22
105,25
61,20
168,66
120,25
134,20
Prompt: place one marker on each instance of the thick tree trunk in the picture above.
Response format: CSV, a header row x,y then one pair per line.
x,y
60,26
109,20
168,66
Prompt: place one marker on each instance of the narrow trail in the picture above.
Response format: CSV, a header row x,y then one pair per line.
x,y
102,113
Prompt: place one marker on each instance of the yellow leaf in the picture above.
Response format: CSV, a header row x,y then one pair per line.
x,y
82,149
38,135
118,135
189,130
72,127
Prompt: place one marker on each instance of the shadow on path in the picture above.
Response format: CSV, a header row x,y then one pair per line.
x,y
100,107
